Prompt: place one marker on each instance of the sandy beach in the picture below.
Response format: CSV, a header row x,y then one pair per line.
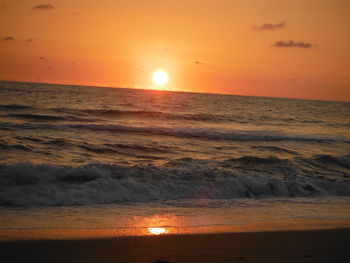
x,y
282,246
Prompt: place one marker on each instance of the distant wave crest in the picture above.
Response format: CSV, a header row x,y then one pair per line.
x,y
14,107
116,113
182,132
207,133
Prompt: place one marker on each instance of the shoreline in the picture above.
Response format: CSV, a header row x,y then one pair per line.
x,y
67,233
327,245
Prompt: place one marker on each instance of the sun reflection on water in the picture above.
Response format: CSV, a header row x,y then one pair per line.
x,y
158,224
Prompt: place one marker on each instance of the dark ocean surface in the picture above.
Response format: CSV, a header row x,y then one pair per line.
x,y
75,145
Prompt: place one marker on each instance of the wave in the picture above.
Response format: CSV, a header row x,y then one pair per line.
x,y
212,134
112,148
37,117
120,113
275,149
51,118
14,107
148,114
200,117
28,184
4,145
142,148
181,132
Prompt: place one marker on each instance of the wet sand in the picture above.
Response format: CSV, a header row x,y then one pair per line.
x,y
282,246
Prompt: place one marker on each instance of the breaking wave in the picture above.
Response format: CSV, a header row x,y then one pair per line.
x,y
27,184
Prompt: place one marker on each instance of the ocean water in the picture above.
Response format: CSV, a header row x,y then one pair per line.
x,y
80,147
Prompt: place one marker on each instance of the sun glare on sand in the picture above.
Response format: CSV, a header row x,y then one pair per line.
x,y
157,230
160,77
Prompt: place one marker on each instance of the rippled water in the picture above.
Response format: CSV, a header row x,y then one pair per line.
x,y
75,145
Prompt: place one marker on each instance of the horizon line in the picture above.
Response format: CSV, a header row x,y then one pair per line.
x,y
160,90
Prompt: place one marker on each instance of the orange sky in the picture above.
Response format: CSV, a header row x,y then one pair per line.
x,y
219,46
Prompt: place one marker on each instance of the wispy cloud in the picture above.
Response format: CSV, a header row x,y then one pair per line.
x,y
43,7
291,43
269,26
9,38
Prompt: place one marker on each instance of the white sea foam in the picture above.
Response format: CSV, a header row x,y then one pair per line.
x,y
248,177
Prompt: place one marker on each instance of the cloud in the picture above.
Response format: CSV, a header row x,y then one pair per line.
x,y
291,43
9,38
41,57
43,7
268,26
198,62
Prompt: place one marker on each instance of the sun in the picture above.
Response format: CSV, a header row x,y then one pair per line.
x,y
157,230
160,77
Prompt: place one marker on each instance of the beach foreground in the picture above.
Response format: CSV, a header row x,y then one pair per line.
x,y
282,246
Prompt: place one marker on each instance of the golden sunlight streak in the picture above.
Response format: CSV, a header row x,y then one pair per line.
x,y
160,77
157,230
157,224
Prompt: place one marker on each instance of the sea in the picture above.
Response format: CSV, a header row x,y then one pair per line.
x,y
129,160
